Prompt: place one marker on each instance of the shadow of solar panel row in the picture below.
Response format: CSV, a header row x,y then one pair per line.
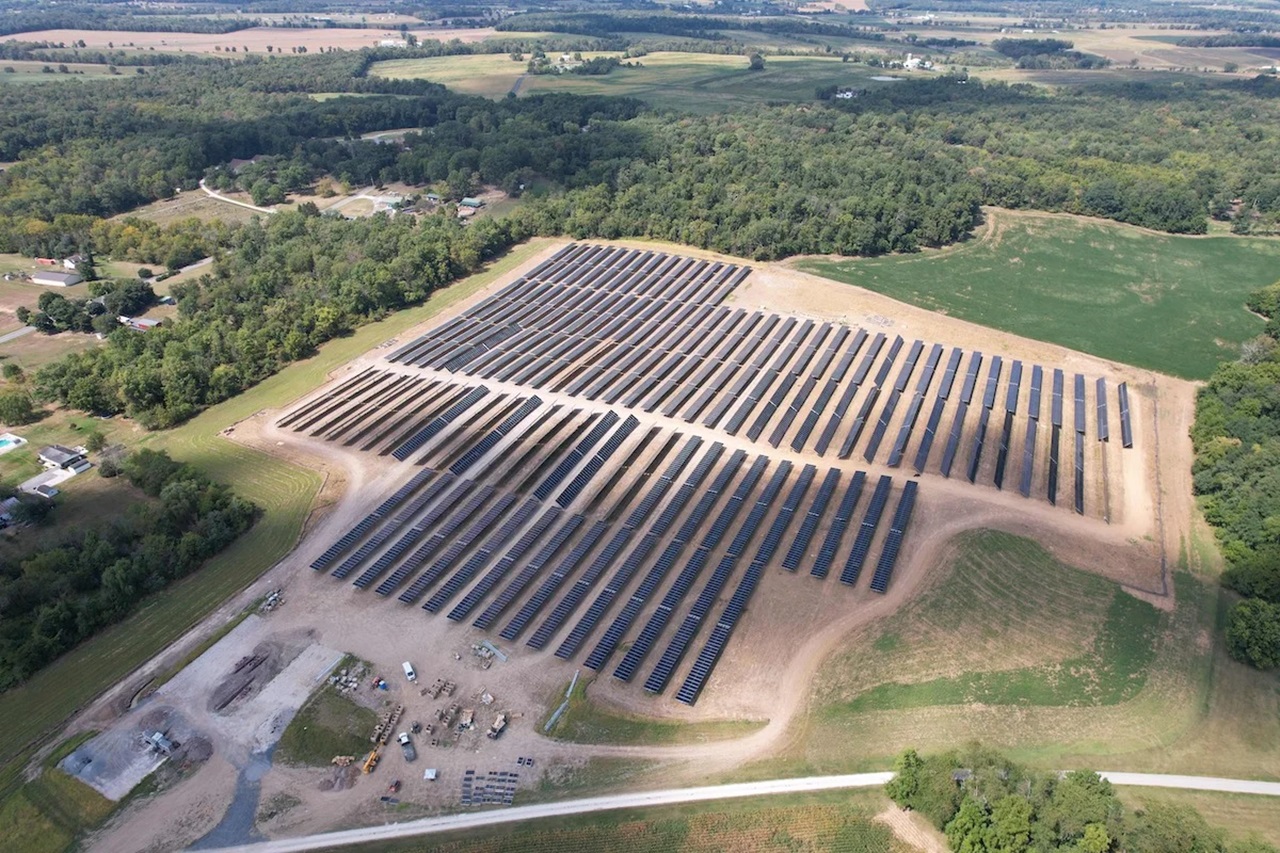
x,y
557,475
470,504
1055,412
355,534
1054,443
1126,428
1081,416
457,548
504,566
882,425
658,571
979,441
1002,454
831,544
1080,473
553,582
679,643
579,482
685,580
411,509
893,542
809,526
1104,424
483,555
531,570
422,436
866,532
953,439
490,441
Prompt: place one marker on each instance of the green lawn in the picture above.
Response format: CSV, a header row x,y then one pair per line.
x,y
1172,304
830,821
586,722
695,82
329,724
1049,663
286,493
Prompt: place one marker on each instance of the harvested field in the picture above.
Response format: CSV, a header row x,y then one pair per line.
x,y
190,204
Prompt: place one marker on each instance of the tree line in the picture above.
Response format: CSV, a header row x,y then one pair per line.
x,y
986,803
1236,437
70,589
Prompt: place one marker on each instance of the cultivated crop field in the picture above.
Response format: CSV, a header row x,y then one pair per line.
x,y
698,82
1171,304
254,40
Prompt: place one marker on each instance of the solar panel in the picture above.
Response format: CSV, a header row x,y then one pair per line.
x,y
1037,379
1054,441
1100,396
970,378
496,540
1126,428
551,583
953,439
1015,383
526,575
866,532
457,548
1079,408
1079,470
975,455
1056,410
354,535
392,527
831,544
418,439
893,542
1028,458
1002,455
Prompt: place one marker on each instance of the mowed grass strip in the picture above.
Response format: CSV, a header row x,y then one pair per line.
x,y
831,821
692,82
284,491
1171,304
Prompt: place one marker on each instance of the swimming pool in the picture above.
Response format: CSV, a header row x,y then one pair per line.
x,y
8,441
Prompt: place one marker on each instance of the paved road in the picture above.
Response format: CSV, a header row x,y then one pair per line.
x,y
14,335
220,197
644,799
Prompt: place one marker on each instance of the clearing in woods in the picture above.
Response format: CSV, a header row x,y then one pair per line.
x,y
1006,639
697,82
1171,304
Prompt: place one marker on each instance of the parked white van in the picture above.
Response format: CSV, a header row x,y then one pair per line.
x,y
408,672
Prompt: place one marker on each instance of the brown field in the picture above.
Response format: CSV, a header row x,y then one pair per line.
x,y
190,204
255,40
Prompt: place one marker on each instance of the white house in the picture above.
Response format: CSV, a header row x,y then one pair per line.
x,y
73,263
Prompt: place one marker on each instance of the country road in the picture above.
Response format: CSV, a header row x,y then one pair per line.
x,y
17,333
645,799
220,197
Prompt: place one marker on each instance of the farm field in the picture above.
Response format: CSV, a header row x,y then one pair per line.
x,y
26,71
254,40
995,644
682,81
1170,304
190,204
1240,815
286,493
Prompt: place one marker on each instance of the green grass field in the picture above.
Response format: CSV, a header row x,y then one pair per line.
x,y
836,821
29,71
1172,304
998,647
329,724
694,82
586,722
34,712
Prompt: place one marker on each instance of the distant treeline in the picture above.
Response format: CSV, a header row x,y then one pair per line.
x,y
44,51
1231,40
606,25
84,579
22,17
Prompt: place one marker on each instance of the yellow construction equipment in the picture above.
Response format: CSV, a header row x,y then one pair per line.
x,y
372,761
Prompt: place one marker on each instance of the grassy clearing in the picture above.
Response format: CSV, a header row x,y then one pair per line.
x,y
30,71
1173,304
586,722
1004,612
698,82
286,494
835,821
188,205
329,724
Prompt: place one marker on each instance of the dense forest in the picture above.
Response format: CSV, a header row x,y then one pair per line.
x,y
69,589
1237,476
986,803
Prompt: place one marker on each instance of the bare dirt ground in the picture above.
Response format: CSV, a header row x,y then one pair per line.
x,y
766,674
256,39
911,828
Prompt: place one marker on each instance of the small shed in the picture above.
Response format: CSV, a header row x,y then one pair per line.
x,y
473,203
56,279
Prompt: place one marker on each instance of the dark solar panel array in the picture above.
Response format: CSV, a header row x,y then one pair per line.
x,y
913,409
490,441
392,554
828,391
411,509
484,554
465,540
557,475
597,462
723,629
422,436
939,403
1033,423
531,570
831,544
1056,411
462,503
846,398
962,409
988,402
1081,415
1126,428
693,567
893,542
1006,431
1080,473
800,545
355,534
504,566
553,582
1104,424
895,394
866,532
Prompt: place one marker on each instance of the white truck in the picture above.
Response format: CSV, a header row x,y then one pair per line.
x,y
409,673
